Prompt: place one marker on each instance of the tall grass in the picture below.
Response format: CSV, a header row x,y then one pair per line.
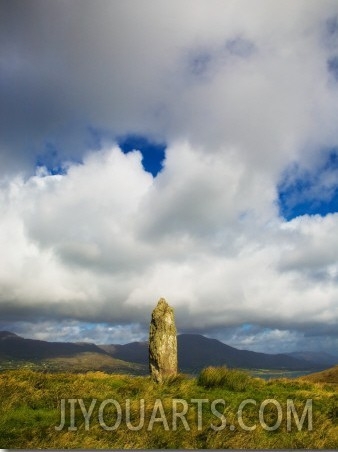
x,y
221,377
30,409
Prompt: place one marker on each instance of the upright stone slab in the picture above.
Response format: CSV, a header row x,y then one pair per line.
x,y
162,342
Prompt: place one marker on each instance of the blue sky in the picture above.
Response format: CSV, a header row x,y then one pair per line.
x,y
153,154
311,191
194,157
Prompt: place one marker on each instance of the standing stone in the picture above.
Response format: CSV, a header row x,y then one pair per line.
x,y
162,342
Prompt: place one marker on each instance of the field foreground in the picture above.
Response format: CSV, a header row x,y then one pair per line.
x,y
219,409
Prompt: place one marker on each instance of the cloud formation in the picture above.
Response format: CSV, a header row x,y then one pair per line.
x,y
239,94
104,241
256,77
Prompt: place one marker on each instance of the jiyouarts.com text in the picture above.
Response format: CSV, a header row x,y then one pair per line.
x,y
111,414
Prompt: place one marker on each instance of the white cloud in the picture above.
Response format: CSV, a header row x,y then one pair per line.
x,y
104,241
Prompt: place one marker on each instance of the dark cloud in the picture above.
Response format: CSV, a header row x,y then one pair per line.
x,y
71,67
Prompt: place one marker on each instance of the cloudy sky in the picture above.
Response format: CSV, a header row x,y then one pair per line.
x,y
185,149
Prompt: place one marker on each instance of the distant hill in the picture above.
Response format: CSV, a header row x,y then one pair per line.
x,y
13,346
5,334
326,376
196,352
16,351
136,352
319,357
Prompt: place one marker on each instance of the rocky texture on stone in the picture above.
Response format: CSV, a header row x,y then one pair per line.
x,y
162,342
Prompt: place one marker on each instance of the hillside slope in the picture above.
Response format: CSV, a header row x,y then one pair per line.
x,y
326,376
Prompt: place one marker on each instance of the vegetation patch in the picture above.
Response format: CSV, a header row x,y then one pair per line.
x,y
326,376
222,408
221,377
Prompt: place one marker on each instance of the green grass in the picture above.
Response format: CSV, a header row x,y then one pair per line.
x,y
221,377
30,403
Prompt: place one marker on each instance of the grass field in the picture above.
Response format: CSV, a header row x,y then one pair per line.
x,y
32,403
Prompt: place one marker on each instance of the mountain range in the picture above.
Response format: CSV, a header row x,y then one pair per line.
x,y
194,353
